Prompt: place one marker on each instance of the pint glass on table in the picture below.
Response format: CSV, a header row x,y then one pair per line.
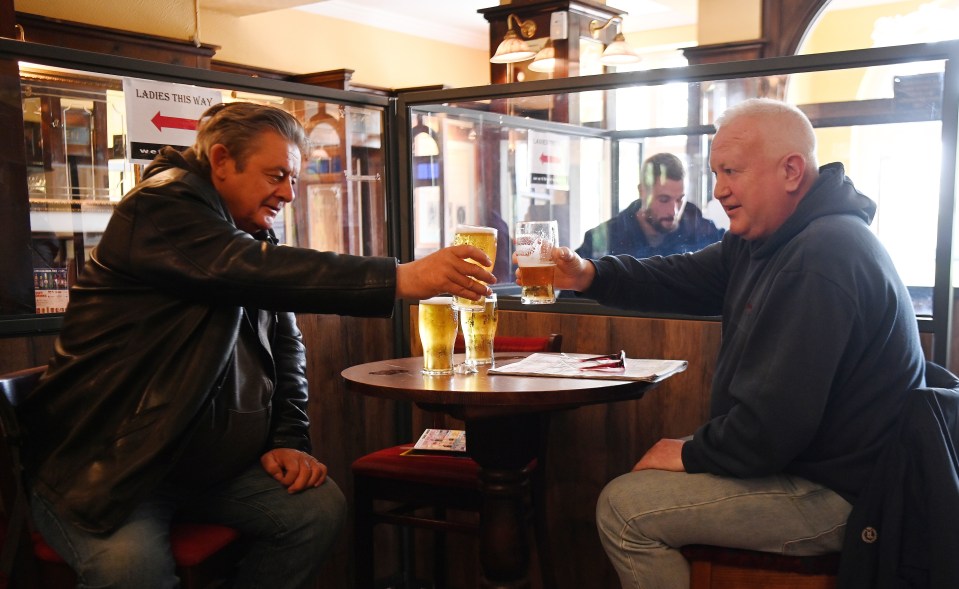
x,y
535,241
437,325
485,239
479,328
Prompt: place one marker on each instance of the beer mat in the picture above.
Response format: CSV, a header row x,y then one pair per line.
x,y
577,366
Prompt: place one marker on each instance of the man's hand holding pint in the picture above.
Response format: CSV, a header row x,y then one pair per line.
x,y
445,271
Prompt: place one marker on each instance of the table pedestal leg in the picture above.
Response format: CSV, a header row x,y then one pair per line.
x,y
504,447
504,544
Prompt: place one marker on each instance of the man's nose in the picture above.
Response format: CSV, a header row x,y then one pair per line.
x,y
720,191
286,190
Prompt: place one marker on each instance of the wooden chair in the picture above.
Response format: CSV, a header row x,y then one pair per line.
x,y
437,483
714,567
204,553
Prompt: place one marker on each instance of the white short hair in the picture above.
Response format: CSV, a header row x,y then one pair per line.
x,y
787,118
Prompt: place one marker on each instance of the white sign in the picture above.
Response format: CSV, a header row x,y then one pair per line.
x,y
549,160
163,113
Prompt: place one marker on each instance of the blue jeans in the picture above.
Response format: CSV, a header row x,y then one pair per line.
x,y
644,517
287,535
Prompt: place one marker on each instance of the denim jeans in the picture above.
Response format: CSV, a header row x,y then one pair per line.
x,y
287,535
644,517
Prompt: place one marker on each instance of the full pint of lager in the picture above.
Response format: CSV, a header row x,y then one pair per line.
x,y
479,329
483,238
535,241
437,324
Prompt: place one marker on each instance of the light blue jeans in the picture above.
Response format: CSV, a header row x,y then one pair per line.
x,y
644,517
287,535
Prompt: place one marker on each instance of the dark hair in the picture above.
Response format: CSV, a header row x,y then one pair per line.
x,y
661,167
236,125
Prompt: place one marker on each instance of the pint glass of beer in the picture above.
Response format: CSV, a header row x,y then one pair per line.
x,y
479,328
535,241
437,323
483,238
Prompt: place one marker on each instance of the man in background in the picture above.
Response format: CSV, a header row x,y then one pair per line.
x,y
820,348
659,223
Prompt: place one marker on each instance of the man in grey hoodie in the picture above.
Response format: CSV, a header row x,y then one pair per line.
x,y
820,346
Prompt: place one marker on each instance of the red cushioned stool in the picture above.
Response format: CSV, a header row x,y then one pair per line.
x,y
414,483
204,553
714,567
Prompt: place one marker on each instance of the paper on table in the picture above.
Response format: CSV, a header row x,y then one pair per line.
x,y
565,366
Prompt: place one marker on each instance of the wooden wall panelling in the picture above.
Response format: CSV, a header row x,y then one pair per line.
x,y
8,20
345,425
17,353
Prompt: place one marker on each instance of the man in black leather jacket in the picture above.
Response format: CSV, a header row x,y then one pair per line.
x,y
178,380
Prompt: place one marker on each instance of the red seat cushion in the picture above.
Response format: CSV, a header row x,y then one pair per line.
x,y
43,551
825,564
507,343
432,469
192,543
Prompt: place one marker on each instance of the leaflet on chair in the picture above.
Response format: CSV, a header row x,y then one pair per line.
x,y
442,440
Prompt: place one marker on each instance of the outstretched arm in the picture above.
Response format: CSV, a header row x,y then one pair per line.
x,y
445,271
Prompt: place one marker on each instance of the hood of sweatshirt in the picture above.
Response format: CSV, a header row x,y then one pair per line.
x,y
832,194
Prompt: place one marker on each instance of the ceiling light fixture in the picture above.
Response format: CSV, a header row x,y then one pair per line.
x,y
514,48
618,52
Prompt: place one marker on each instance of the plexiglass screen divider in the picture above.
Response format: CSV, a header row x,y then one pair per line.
x,y
78,165
507,153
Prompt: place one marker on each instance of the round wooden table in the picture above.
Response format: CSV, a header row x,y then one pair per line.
x,y
506,420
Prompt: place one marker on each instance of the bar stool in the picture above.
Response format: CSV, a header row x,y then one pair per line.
x,y
204,553
436,483
715,567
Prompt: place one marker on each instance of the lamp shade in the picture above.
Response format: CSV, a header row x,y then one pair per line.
x,y
512,49
619,52
545,60
424,144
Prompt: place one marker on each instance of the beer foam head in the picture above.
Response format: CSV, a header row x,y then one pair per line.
x,y
437,301
475,229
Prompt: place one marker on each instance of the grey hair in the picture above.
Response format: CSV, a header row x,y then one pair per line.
x,y
787,118
236,125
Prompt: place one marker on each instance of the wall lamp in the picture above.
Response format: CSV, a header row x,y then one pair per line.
x,y
545,60
514,48
618,52
424,140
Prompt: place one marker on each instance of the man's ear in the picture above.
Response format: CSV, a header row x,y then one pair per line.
x,y
642,196
794,170
220,159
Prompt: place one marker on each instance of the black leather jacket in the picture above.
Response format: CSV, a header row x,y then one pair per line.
x,y
152,324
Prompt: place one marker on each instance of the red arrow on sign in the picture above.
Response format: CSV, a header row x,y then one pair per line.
x,y
173,122
544,158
